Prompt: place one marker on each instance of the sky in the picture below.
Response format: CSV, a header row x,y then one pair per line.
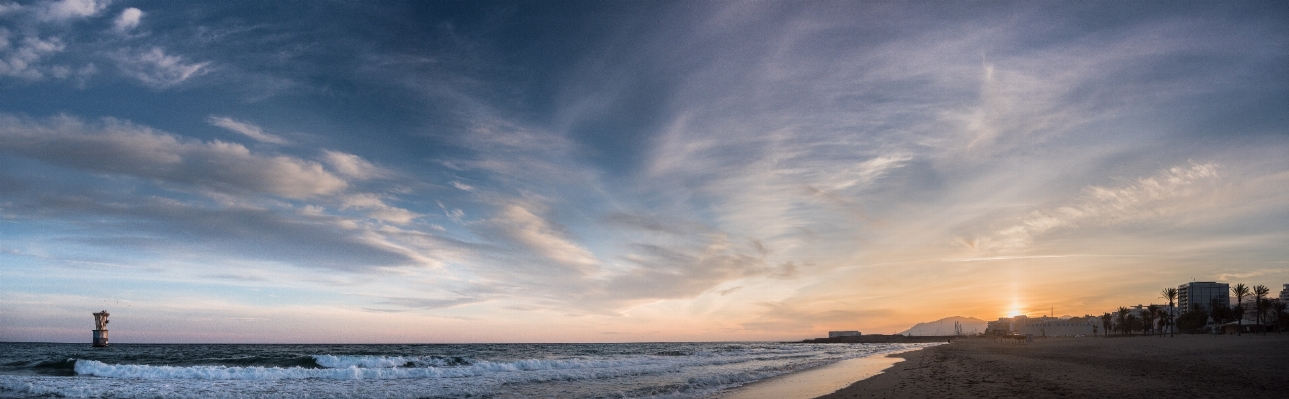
x,y
441,172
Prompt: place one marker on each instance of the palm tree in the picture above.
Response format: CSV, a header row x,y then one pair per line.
x,y
1105,323
1240,291
1123,319
1194,319
1219,311
1259,293
1282,319
1265,304
1148,319
1170,293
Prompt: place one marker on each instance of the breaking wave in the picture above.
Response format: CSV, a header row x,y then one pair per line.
x,y
341,361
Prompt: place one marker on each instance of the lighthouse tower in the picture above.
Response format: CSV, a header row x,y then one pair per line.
x,y
100,333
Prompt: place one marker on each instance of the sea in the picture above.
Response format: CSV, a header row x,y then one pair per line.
x,y
624,370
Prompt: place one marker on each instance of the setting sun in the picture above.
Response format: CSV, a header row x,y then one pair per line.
x,y
1015,310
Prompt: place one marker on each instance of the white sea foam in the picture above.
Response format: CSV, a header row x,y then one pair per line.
x,y
340,362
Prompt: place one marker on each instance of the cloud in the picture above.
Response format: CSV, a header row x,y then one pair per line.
x,y
21,60
649,223
516,223
377,209
866,172
811,313
233,215
1247,274
157,69
728,291
247,129
9,7
238,232
71,9
353,166
114,146
1166,194
679,271
129,19
423,303
455,215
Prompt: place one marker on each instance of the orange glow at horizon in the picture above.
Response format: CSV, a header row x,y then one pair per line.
x,y
1015,309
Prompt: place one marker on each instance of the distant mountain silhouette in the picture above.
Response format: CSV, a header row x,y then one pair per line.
x,y
970,325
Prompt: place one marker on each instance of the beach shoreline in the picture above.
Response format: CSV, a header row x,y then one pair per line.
x,y
1121,367
811,383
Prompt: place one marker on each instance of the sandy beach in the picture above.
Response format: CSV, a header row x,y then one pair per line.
x,y
1132,367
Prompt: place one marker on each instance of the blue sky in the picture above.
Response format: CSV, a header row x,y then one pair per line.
x,y
626,171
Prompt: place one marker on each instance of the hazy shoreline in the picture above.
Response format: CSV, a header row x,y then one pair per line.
x,y
1144,366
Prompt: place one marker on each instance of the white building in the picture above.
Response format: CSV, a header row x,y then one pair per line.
x,y
1284,294
1052,326
999,327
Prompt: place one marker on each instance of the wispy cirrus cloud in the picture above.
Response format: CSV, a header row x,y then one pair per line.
x,y
430,303
353,166
377,208
1166,194
155,68
247,129
678,271
518,223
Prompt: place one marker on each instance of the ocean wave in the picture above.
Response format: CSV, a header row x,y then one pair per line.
x,y
59,363
32,386
588,369
370,361
340,362
664,373
139,371
411,367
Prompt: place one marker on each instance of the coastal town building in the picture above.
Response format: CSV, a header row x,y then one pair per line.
x,y
1042,326
1250,314
1053,327
835,334
1284,294
1141,310
1002,326
1202,293
1142,313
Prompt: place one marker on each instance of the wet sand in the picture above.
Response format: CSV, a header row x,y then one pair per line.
x,y
817,381
1254,366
